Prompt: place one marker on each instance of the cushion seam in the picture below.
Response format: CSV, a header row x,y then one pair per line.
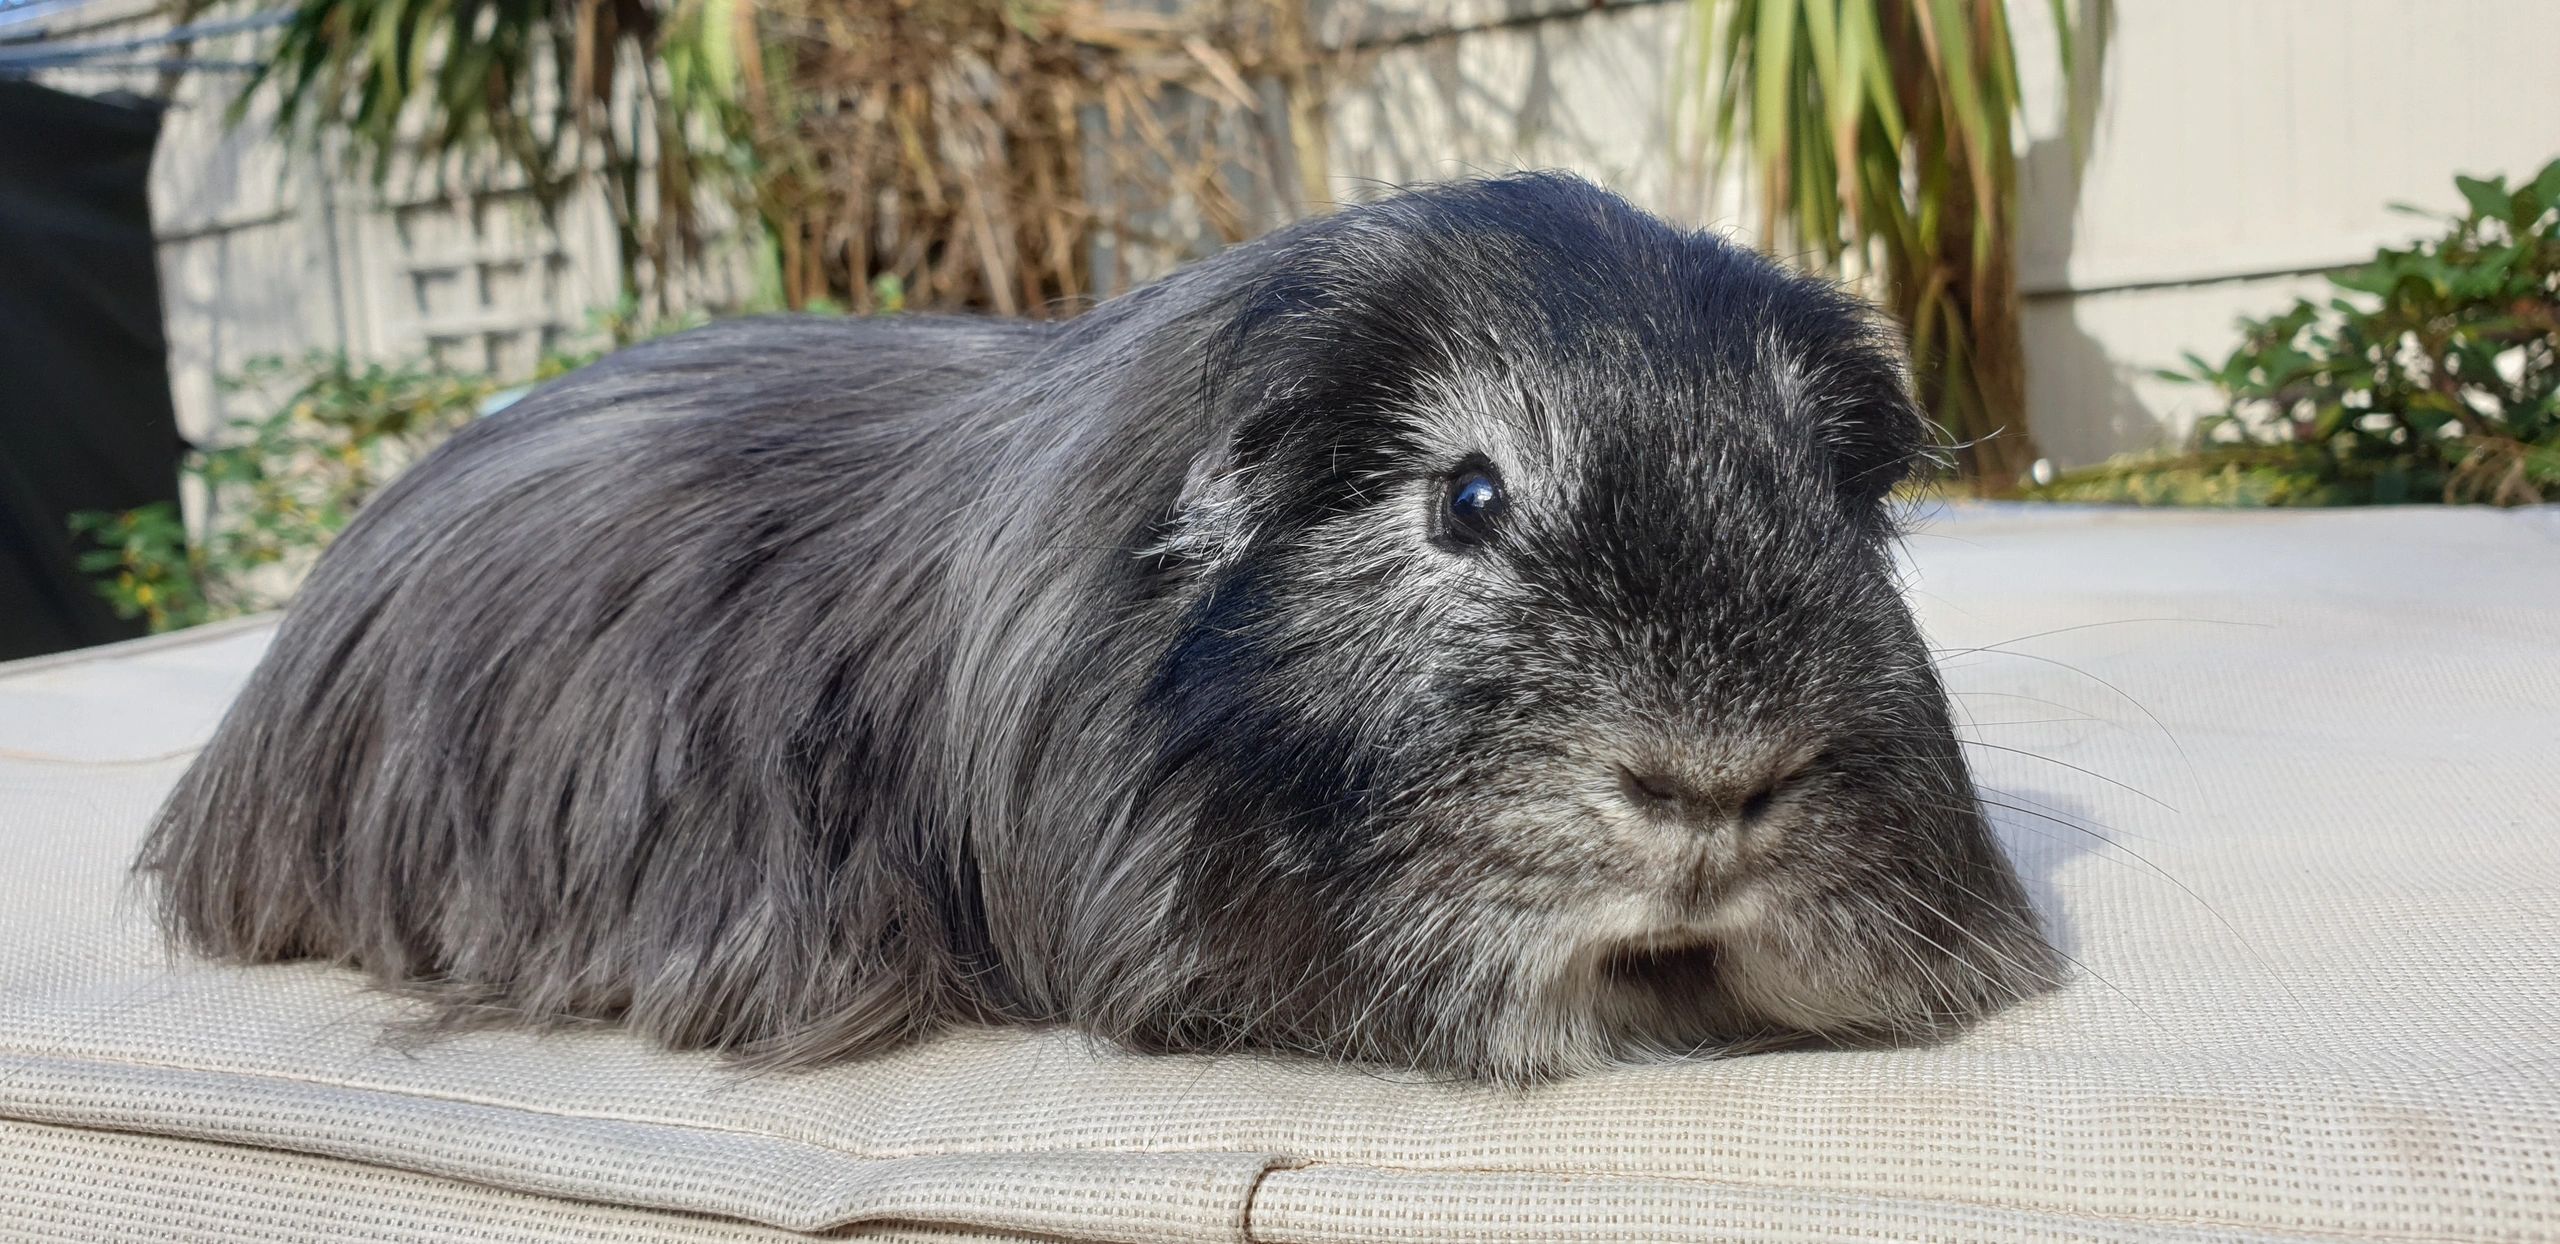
x,y
1275,1160
165,641
857,1155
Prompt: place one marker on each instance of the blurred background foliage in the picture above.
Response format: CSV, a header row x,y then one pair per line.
x,y
976,150
276,487
1010,155
2432,374
970,151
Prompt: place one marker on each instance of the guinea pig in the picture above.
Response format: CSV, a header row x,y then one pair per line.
x,y
1458,633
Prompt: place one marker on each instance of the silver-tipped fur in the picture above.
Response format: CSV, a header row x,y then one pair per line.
x,y
1457,633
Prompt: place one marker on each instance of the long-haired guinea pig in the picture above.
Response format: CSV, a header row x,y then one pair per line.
x,y
1458,633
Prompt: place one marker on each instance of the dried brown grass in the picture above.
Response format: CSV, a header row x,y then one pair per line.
x,y
1022,157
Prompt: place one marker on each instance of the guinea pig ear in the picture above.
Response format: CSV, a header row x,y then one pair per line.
x,y
1212,517
1210,521
1869,426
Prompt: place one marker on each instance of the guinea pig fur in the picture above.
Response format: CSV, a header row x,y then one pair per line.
x,y
1457,633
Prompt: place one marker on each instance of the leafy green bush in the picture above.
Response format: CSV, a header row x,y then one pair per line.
x,y
276,487
2435,377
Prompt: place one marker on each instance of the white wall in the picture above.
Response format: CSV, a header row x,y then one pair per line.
x,y
1557,84
2241,145
2238,146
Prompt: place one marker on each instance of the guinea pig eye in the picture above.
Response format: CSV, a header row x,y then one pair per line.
x,y
1471,507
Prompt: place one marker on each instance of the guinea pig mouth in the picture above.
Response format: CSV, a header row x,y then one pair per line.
x,y
1655,965
1678,1001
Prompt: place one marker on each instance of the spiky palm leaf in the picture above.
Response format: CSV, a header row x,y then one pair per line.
x,y
1880,133
553,89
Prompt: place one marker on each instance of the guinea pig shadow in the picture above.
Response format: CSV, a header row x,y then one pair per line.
x,y
2045,833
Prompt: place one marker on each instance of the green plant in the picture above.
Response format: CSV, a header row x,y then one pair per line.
x,y
276,487
2433,374
1879,133
144,566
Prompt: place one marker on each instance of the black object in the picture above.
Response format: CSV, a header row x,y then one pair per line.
x,y
85,417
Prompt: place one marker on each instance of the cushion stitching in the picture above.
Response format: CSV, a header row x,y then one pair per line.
x,y
2051,1214
1275,1161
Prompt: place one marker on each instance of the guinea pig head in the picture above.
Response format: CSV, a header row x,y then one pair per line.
x,y
1543,682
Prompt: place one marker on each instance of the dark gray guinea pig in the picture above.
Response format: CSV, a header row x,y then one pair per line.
x,y
1457,633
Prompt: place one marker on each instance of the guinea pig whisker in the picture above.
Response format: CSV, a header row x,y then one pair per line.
x,y
2002,645
2101,839
2075,962
2132,858
1923,966
2126,787
1981,799
2126,696
2036,699
1955,1006
2130,855
2031,755
2031,973
2087,824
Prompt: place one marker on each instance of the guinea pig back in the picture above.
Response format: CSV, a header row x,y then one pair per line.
x,y
1457,633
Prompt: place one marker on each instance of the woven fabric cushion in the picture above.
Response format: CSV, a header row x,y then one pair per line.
x,y
2284,786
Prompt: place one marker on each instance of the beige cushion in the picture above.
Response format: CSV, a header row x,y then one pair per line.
x,y
2289,791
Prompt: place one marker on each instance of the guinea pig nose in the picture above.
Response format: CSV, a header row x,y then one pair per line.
x,y
1704,794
